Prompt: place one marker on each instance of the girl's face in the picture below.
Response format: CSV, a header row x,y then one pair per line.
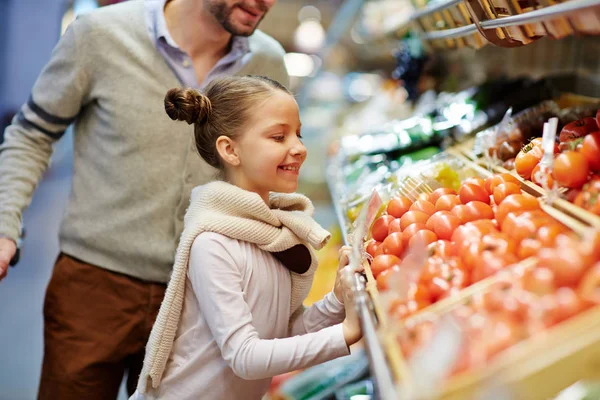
x,y
269,150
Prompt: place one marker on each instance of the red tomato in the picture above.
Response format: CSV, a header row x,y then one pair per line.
x,y
383,262
516,202
411,231
547,233
412,217
393,244
598,118
528,248
497,179
444,225
386,277
589,196
394,226
447,202
437,193
569,304
539,281
463,213
425,237
381,227
423,205
505,189
398,206
577,129
418,292
471,192
441,248
538,180
571,169
438,287
479,210
489,264
527,159
372,247
591,150
567,264
589,287
476,181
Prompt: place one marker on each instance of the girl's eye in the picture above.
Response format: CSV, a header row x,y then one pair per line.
x,y
299,135
279,138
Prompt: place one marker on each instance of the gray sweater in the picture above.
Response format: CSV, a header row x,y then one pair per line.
x,y
133,168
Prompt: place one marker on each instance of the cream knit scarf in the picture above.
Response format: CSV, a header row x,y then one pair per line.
x,y
239,214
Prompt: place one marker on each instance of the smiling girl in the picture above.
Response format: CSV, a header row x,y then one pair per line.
x,y
232,316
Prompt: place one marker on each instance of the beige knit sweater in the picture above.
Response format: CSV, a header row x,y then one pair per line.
x,y
239,214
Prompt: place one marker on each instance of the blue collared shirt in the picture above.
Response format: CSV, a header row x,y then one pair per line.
x,y
179,61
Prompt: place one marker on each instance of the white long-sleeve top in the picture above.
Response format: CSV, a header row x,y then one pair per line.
x,y
233,334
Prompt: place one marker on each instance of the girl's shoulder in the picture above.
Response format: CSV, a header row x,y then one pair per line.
x,y
216,245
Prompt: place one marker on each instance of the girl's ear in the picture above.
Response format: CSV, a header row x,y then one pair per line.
x,y
227,151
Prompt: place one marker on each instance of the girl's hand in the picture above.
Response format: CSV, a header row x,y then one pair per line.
x,y
351,325
344,260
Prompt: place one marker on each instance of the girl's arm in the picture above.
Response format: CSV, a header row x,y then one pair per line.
x,y
326,312
217,283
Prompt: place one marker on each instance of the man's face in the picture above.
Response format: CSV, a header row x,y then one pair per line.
x,y
239,17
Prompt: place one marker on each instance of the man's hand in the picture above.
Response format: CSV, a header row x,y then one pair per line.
x,y
8,248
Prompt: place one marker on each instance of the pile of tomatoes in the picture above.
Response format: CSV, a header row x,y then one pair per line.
x,y
520,304
468,236
576,164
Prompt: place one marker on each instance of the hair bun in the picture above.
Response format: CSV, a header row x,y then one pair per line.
x,y
187,105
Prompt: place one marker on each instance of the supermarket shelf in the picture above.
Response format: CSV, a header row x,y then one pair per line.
x,y
450,33
433,8
380,369
541,14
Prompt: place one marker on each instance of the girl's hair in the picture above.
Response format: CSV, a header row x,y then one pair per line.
x,y
222,110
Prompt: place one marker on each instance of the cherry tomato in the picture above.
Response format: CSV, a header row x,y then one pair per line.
x,y
441,248
437,193
516,202
476,181
394,226
479,210
591,150
447,202
412,217
503,190
471,192
571,169
424,236
383,262
497,179
423,205
372,247
589,287
527,159
444,224
411,231
398,206
576,129
393,244
386,277
381,227
463,213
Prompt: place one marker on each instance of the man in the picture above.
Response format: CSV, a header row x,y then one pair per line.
x,y
133,172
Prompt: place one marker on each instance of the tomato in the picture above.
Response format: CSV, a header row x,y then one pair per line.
x,y
437,193
591,150
471,192
394,226
509,164
380,228
385,280
589,196
538,178
438,287
571,169
480,210
383,262
528,248
418,292
503,333
412,217
424,236
463,213
516,202
489,264
505,189
548,232
493,181
569,304
476,181
539,281
471,233
589,287
393,244
398,206
598,117
372,247
567,264
423,205
441,248
527,159
444,224
411,231
577,129
447,202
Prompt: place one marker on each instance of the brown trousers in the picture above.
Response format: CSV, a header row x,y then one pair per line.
x,y
96,325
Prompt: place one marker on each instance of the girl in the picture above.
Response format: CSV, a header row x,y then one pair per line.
x,y
232,316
